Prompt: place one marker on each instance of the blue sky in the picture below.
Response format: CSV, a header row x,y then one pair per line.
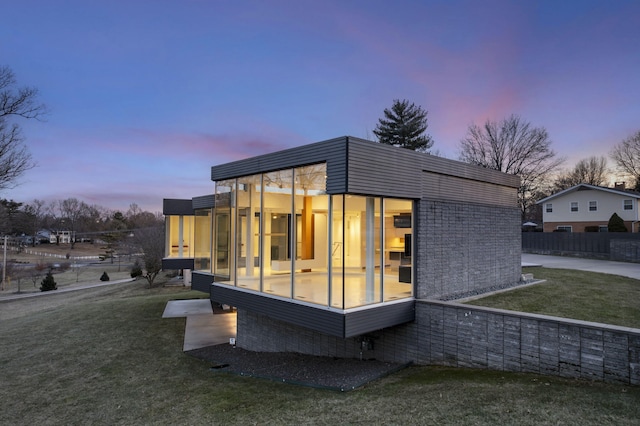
x,y
146,95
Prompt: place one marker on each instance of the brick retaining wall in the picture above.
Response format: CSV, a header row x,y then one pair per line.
x,y
469,336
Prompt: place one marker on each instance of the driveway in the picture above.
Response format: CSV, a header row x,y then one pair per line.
x,y
626,269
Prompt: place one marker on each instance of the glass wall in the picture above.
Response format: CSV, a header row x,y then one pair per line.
x,y
202,240
223,267
280,233
248,232
179,236
277,236
311,235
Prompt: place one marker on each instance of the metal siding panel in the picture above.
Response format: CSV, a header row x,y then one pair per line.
x,y
324,321
201,282
452,188
177,207
383,170
445,166
177,263
368,320
319,152
203,202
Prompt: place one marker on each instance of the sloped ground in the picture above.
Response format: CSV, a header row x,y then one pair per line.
x,y
314,371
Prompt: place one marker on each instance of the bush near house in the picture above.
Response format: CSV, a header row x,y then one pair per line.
x,y
616,224
104,277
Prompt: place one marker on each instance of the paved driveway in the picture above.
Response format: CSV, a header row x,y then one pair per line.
x,y
631,270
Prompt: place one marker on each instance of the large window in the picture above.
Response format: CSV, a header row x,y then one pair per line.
x,y
287,238
222,250
202,240
179,236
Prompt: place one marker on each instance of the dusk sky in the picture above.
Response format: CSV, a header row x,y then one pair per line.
x,y
146,95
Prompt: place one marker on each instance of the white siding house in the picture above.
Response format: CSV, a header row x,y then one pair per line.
x,y
585,205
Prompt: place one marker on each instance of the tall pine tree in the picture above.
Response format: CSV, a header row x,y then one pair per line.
x,y
404,125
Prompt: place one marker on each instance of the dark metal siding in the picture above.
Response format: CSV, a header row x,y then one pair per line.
x,y
383,170
329,322
201,282
203,202
177,207
333,152
377,318
452,188
177,263
444,166
316,319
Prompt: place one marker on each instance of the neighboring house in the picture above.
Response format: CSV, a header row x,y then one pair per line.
x,y
583,205
323,247
60,237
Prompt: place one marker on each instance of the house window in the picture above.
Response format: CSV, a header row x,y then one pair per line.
x,y
628,204
574,206
564,228
549,208
593,206
603,228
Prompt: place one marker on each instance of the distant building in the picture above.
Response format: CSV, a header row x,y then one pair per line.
x,y
60,237
586,207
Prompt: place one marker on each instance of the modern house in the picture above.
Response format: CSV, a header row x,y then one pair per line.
x,y
584,207
328,248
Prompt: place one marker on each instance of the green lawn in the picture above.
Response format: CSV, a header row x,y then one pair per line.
x,y
105,356
587,296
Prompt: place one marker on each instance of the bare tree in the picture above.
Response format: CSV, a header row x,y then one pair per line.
x,y
151,242
15,102
592,171
512,146
72,211
626,154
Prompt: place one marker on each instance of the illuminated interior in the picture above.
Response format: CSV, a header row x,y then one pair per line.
x,y
281,234
179,236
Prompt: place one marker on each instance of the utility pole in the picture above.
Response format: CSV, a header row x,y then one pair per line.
x,y
4,263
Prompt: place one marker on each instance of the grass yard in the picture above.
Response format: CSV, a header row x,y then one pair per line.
x,y
105,356
587,296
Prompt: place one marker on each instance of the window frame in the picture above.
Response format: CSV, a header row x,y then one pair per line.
x,y
629,204
593,206
571,206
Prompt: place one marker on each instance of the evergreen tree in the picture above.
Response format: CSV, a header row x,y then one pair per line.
x,y
616,224
48,283
404,126
104,277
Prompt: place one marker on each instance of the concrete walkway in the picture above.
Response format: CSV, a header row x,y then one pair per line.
x,y
203,327
631,270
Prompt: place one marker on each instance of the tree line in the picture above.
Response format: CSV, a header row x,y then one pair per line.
x,y
82,220
513,145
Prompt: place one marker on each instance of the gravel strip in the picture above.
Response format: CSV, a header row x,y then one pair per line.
x,y
314,371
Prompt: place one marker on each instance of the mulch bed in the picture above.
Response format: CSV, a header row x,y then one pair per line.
x,y
314,371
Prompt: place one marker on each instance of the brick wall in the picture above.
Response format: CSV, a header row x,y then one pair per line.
x,y
465,249
470,336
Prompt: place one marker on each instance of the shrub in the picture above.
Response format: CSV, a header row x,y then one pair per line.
x,y
616,224
104,277
48,283
136,269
